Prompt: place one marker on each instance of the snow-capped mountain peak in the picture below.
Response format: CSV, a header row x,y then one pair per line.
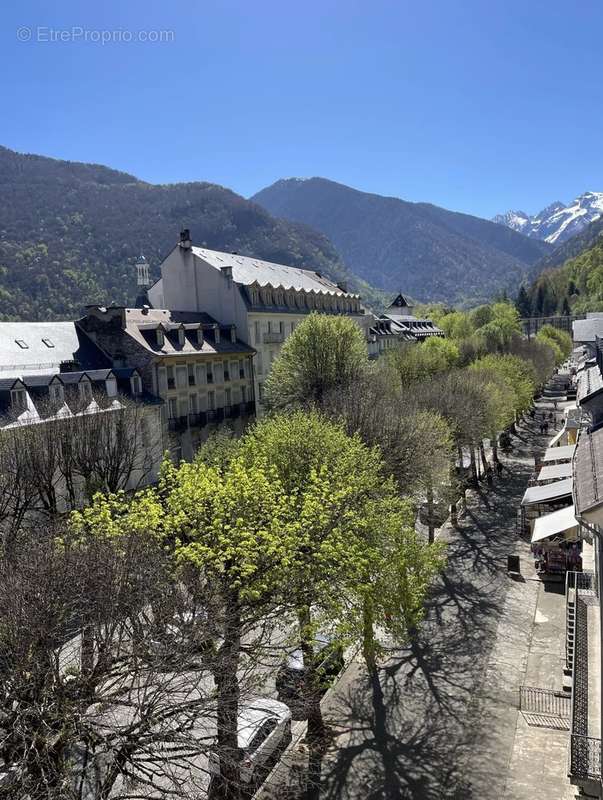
x,y
557,222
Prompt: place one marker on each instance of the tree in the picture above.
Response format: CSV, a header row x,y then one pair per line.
x,y
523,303
72,726
412,362
344,509
517,373
559,340
323,353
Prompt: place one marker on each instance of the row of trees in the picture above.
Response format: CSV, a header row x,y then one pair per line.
x,y
133,631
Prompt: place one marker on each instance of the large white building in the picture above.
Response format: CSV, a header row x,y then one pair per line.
x,y
263,300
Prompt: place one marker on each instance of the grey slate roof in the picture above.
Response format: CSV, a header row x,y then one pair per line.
x,y
590,381
247,270
588,471
68,344
586,330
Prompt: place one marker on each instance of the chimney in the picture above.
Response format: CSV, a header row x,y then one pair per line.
x,y
185,239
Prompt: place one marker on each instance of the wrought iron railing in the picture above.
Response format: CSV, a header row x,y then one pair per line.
x,y
585,757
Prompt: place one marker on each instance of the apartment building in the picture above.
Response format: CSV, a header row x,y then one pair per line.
x,y
263,301
196,367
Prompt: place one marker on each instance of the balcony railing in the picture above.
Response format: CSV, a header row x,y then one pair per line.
x,y
585,757
273,338
177,424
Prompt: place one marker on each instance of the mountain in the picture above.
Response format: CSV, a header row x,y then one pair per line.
x,y
570,279
431,253
558,222
70,233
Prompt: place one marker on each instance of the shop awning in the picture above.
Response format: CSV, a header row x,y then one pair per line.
x,y
561,521
555,472
556,438
547,493
564,453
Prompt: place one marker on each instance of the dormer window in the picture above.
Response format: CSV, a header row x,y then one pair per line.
x,y
111,386
181,337
55,391
22,344
160,337
48,342
217,334
200,336
85,389
18,398
136,385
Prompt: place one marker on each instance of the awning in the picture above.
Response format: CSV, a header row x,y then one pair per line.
x,y
547,493
564,453
561,521
556,438
555,472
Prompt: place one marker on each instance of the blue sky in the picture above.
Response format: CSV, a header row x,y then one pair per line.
x,y
475,106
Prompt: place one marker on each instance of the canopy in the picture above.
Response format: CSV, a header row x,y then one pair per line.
x,y
564,453
547,493
560,521
555,471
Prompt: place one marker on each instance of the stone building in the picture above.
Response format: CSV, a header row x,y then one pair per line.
x,y
264,301
196,366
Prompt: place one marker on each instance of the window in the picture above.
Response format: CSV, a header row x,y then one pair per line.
x,y
18,398
218,372
241,369
85,389
211,400
48,342
260,364
181,377
55,390
226,372
160,337
23,345
281,327
260,736
228,400
191,374
200,374
136,385
258,332
244,394
193,406
111,386
171,381
210,375
172,408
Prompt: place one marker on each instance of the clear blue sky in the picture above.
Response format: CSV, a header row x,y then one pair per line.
x,y
478,105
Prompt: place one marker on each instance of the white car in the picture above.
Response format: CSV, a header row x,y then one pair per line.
x,y
264,731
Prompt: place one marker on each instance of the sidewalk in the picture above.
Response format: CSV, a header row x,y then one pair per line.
x,y
443,723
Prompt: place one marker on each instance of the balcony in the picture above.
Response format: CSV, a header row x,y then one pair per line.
x,y
583,664
197,420
177,424
273,338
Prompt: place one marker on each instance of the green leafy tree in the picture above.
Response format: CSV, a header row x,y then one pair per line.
x,y
322,354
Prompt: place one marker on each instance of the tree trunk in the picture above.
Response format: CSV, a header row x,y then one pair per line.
x,y
482,453
368,637
311,689
473,465
494,443
430,525
228,785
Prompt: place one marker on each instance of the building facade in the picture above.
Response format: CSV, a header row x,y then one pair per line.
x,y
196,367
262,300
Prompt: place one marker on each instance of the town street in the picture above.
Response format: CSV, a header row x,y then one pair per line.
x,y
441,722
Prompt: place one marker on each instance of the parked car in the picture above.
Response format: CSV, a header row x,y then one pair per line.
x,y
264,732
291,674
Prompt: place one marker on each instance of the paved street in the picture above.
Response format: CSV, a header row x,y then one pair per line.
x,y
441,722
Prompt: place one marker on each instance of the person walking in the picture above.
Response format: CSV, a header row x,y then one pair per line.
x,y
489,475
499,468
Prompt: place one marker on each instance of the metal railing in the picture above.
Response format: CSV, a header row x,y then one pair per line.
x,y
544,701
273,338
585,757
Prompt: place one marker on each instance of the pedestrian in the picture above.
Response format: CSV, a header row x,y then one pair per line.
x,y
499,468
546,428
489,475
551,416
